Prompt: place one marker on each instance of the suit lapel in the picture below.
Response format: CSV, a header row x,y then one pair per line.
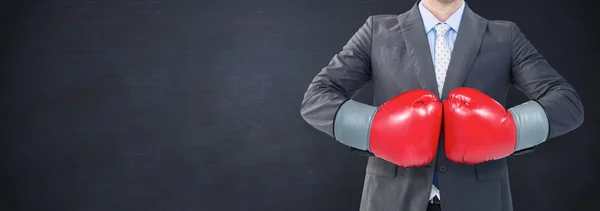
x,y
417,47
466,47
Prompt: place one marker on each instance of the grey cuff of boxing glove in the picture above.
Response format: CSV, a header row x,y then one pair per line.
x,y
532,124
352,124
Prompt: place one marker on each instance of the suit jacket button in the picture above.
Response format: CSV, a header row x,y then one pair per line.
x,y
442,168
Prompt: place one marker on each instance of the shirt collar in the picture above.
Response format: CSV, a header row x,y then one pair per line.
x,y
430,21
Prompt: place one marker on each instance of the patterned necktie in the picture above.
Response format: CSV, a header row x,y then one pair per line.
x,y
442,59
442,55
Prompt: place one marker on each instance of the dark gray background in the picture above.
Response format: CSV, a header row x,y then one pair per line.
x,y
194,105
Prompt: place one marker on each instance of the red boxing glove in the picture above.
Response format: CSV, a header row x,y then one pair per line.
x,y
477,128
406,129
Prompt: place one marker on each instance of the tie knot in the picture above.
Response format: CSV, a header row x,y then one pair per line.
x,y
441,29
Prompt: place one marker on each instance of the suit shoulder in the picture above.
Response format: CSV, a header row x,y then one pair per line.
x,y
501,24
384,20
495,24
384,17
501,28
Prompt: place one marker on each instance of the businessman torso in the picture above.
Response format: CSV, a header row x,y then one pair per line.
x,y
392,52
401,61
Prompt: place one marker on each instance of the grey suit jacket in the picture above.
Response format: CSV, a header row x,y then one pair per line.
x,y
392,53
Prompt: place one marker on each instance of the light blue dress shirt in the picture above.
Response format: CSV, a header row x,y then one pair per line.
x,y
430,21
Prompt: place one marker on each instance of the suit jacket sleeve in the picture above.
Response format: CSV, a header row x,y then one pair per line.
x,y
532,74
347,73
